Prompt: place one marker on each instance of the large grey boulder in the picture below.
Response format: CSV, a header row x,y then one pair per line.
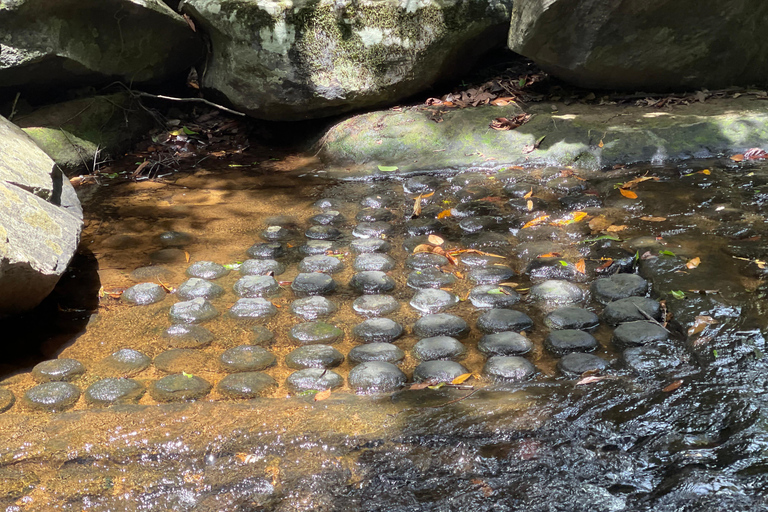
x,y
313,58
87,42
648,44
40,222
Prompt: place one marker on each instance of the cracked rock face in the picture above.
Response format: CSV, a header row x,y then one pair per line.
x,y
40,222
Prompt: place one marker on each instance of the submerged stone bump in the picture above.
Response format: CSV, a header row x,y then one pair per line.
x,y
439,348
378,330
556,292
322,233
493,296
500,320
374,215
376,377
277,234
246,385
261,267
126,362
321,263
490,275
430,300
520,189
174,239
328,218
313,379
152,273
268,250
504,344
372,229
508,369
143,294
424,260
250,287
478,224
481,260
311,308
313,283
372,282
170,255
261,335
247,358
51,396
420,185
368,245
618,286
566,341
309,333
207,270
252,309
193,311
179,388
177,360
187,336
111,391
650,359
58,370
314,356
631,309
377,201
567,185
475,209
576,363
195,287
7,399
425,226
384,352
373,261
430,278
580,202
327,203
375,305
485,241
315,247
641,332
410,243
570,317
440,324
520,204
541,269
438,371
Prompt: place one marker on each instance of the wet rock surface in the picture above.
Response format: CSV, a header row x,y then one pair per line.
x,y
112,391
376,377
144,293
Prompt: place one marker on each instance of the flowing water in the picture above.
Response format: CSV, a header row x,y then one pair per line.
x,y
669,417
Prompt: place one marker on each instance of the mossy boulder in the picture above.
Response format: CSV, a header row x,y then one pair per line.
x,y
314,58
40,222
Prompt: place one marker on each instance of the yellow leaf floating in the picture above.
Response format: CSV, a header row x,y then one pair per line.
x,y
461,378
535,222
569,219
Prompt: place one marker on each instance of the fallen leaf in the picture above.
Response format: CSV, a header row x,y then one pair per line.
x,y
186,255
628,193
677,294
537,221
322,395
461,378
673,386
616,229
691,264
589,380
504,123
423,248
168,288
607,263
581,266
487,489
700,323
443,214
189,22
738,158
570,219
421,385
528,194
388,168
600,144
706,172
433,101
529,205
636,181
434,239
511,285
599,223
550,255
653,219
417,206
502,102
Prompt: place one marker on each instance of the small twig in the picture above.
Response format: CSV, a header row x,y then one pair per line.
x,y
197,100
649,317
13,107
454,400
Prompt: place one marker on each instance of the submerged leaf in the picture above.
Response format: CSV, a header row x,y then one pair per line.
x,y
666,253
434,239
700,323
628,193
388,168
590,380
653,219
443,214
535,222
691,264
581,266
322,395
673,386
678,294
461,378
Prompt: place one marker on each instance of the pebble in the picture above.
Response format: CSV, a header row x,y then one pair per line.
x,y
322,233
629,310
374,215
51,396
321,263
640,332
178,360
430,278
313,283
376,377
207,270
314,356
439,347
372,229
311,308
143,294
384,352
179,388
378,330
317,379
430,300
420,185
261,267
174,239
368,245
556,292
438,371
309,333
491,275
185,336
246,385
195,287
650,359
375,305
7,399
328,218
493,296
440,324
126,362
315,247
58,370
508,368
261,335
424,260
111,391
542,269
252,309
618,286
277,234
327,203
500,320
576,363
372,282
421,227
269,250
373,261
570,317
246,358
250,287
566,341
504,344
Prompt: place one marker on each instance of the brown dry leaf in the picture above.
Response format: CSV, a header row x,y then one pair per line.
x,y
700,323
426,196
143,165
570,219
189,22
487,489
168,288
550,255
504,123
511,285
635,182
443,214
528,194
423,248
616,229
186,255
322,395
433,101
417,206
600,144
503,102
422,385
581,266
461,378
691,264
529,205
537,221
599,223
628,193
451,259
605,264
589,380
738,158
673,386
459,274
434,239
653,219
476,251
